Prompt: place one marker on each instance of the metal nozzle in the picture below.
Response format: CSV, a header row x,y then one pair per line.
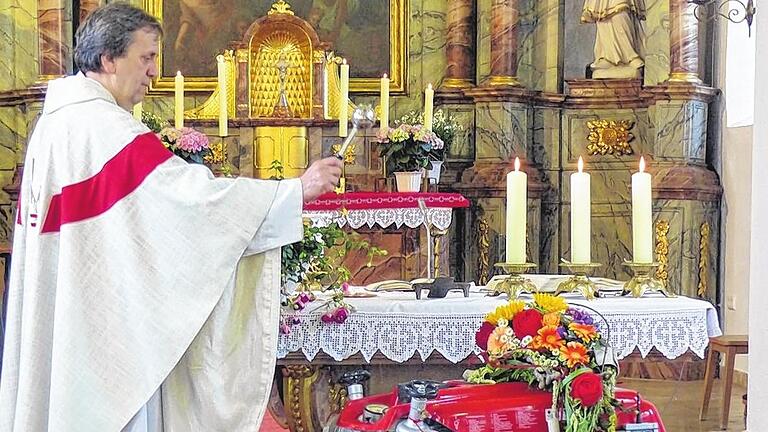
x,y
363,117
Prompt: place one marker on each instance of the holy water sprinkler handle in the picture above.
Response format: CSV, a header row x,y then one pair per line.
x,y
363,117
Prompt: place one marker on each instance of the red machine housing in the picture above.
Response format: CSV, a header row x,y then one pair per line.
x,y
463,407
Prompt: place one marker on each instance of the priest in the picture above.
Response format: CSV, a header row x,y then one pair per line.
x,y
144,291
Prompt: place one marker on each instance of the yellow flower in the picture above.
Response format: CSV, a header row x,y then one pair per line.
x,y
549,303
506,312
551,319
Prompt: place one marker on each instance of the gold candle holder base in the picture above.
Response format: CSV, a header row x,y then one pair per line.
x,y
514,284
579,281
644,280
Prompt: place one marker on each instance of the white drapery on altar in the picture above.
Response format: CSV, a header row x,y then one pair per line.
x,y
399,326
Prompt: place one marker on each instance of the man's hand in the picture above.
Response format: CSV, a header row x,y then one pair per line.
x,y
321,177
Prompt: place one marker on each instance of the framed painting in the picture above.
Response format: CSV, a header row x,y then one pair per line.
x,y
370,34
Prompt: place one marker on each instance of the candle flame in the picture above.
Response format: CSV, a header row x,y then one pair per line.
x,y
343,61
385,76
517,164
642,164
429,86
581,164
178,73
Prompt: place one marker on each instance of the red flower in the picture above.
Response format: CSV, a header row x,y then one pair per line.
x,y
526,323
587,388
482,335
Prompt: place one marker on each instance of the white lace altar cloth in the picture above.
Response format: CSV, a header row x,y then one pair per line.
x,y
439,217
399,326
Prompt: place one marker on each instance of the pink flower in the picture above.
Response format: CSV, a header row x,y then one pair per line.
x,y
340,315
345,288
327,318
191,141
285,328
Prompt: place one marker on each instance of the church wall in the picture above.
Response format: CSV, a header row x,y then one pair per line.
x,y
735,170
757,417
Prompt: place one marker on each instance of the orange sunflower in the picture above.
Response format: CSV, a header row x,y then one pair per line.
x,y
548,338
584,332
574,353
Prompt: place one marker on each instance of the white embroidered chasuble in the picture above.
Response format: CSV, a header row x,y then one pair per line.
x,y
134,271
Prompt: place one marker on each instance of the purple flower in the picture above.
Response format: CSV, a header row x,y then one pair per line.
x,y
327,318
579,316
304,297
296,320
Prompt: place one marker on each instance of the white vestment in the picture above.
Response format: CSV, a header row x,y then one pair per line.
x,y
134,271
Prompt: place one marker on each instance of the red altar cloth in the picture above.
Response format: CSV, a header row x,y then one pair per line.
x,y
385,200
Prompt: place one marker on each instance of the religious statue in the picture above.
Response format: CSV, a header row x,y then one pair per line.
x,y
619,40
281,109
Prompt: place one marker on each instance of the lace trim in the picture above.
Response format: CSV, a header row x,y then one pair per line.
x,y
399,337
440,218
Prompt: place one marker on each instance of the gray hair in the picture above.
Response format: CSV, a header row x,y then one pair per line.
x,y
108,31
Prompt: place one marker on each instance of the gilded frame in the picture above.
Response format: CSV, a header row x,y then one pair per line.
x,y
398,55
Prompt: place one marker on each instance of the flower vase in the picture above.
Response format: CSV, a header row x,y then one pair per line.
x,y
434,173
408,181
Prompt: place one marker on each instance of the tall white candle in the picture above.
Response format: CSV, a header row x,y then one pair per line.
x,y
222,70
384,96
580,216
178,100
642,216
137,110
429,101
344,102
517,206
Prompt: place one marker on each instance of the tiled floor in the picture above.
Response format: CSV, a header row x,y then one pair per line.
x,y
678,401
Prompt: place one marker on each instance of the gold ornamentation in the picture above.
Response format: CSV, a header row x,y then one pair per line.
x,y
287,144
332,95
337,397
579,281
662,250
288,47
643,281
437,234
349,155
609,137
280,7
484,246
398,53
298,381
218,153
210,108
503,81
703,259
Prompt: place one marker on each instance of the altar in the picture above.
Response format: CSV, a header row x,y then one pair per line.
x,y
398,338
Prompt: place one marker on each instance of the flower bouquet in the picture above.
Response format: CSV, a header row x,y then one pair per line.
x,y
187,143
407,147
556,348
444,125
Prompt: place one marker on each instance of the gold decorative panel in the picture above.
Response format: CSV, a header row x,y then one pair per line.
x,y
289,145
483,247
703,259
609,137
288,44
662,251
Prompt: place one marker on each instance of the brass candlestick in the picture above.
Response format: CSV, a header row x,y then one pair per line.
x,y
515,284
644,280
579,281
